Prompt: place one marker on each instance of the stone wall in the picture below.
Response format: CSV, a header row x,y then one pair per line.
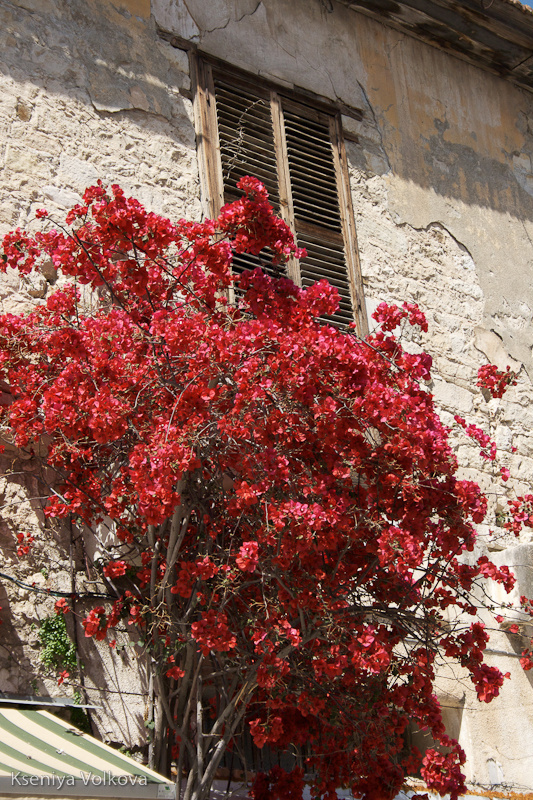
x,y
87,92
442,187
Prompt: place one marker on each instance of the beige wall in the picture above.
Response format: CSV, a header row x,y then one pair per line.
x,y
87,92
442,186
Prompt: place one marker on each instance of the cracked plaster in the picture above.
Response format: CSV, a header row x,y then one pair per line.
x,y
220,13
260,37
455,143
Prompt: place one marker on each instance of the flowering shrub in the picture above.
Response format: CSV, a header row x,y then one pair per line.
x,y
495,380
289,520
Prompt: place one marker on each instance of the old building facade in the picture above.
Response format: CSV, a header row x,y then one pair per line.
x,y
397,142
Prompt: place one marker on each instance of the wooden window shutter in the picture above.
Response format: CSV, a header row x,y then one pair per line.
x,y
247,147
297,151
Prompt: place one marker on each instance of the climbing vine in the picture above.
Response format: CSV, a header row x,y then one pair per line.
x,y
58,650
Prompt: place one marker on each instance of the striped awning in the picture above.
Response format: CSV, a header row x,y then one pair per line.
x,y
41,755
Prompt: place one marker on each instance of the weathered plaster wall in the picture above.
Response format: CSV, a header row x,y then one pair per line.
x,y
442,185
87,92
459,148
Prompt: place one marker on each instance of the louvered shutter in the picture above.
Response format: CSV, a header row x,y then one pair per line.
x,y
315,201
247,147
293,148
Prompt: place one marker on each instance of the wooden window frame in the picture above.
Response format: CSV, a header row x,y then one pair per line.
x,y
304,104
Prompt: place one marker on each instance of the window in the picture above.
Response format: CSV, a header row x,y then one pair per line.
x,y
295,147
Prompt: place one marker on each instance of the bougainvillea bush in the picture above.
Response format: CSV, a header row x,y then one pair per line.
x,y
289,529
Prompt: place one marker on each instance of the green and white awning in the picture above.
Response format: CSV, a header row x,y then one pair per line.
x,y
41,755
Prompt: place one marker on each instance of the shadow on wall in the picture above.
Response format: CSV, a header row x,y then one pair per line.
x,y
38,557
88,92
445,125
32,564
17,673
91,51
458,171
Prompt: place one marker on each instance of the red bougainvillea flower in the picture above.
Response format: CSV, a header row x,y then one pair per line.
x,y
287,534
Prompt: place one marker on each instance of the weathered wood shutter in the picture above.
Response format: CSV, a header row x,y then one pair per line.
x,y
247,147
296,150
315,200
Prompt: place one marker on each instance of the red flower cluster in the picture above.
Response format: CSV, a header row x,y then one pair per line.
x,y
115,569
491,378
95,623
520,513
61,606
25,541
390,317
211,632
248,557
488,447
